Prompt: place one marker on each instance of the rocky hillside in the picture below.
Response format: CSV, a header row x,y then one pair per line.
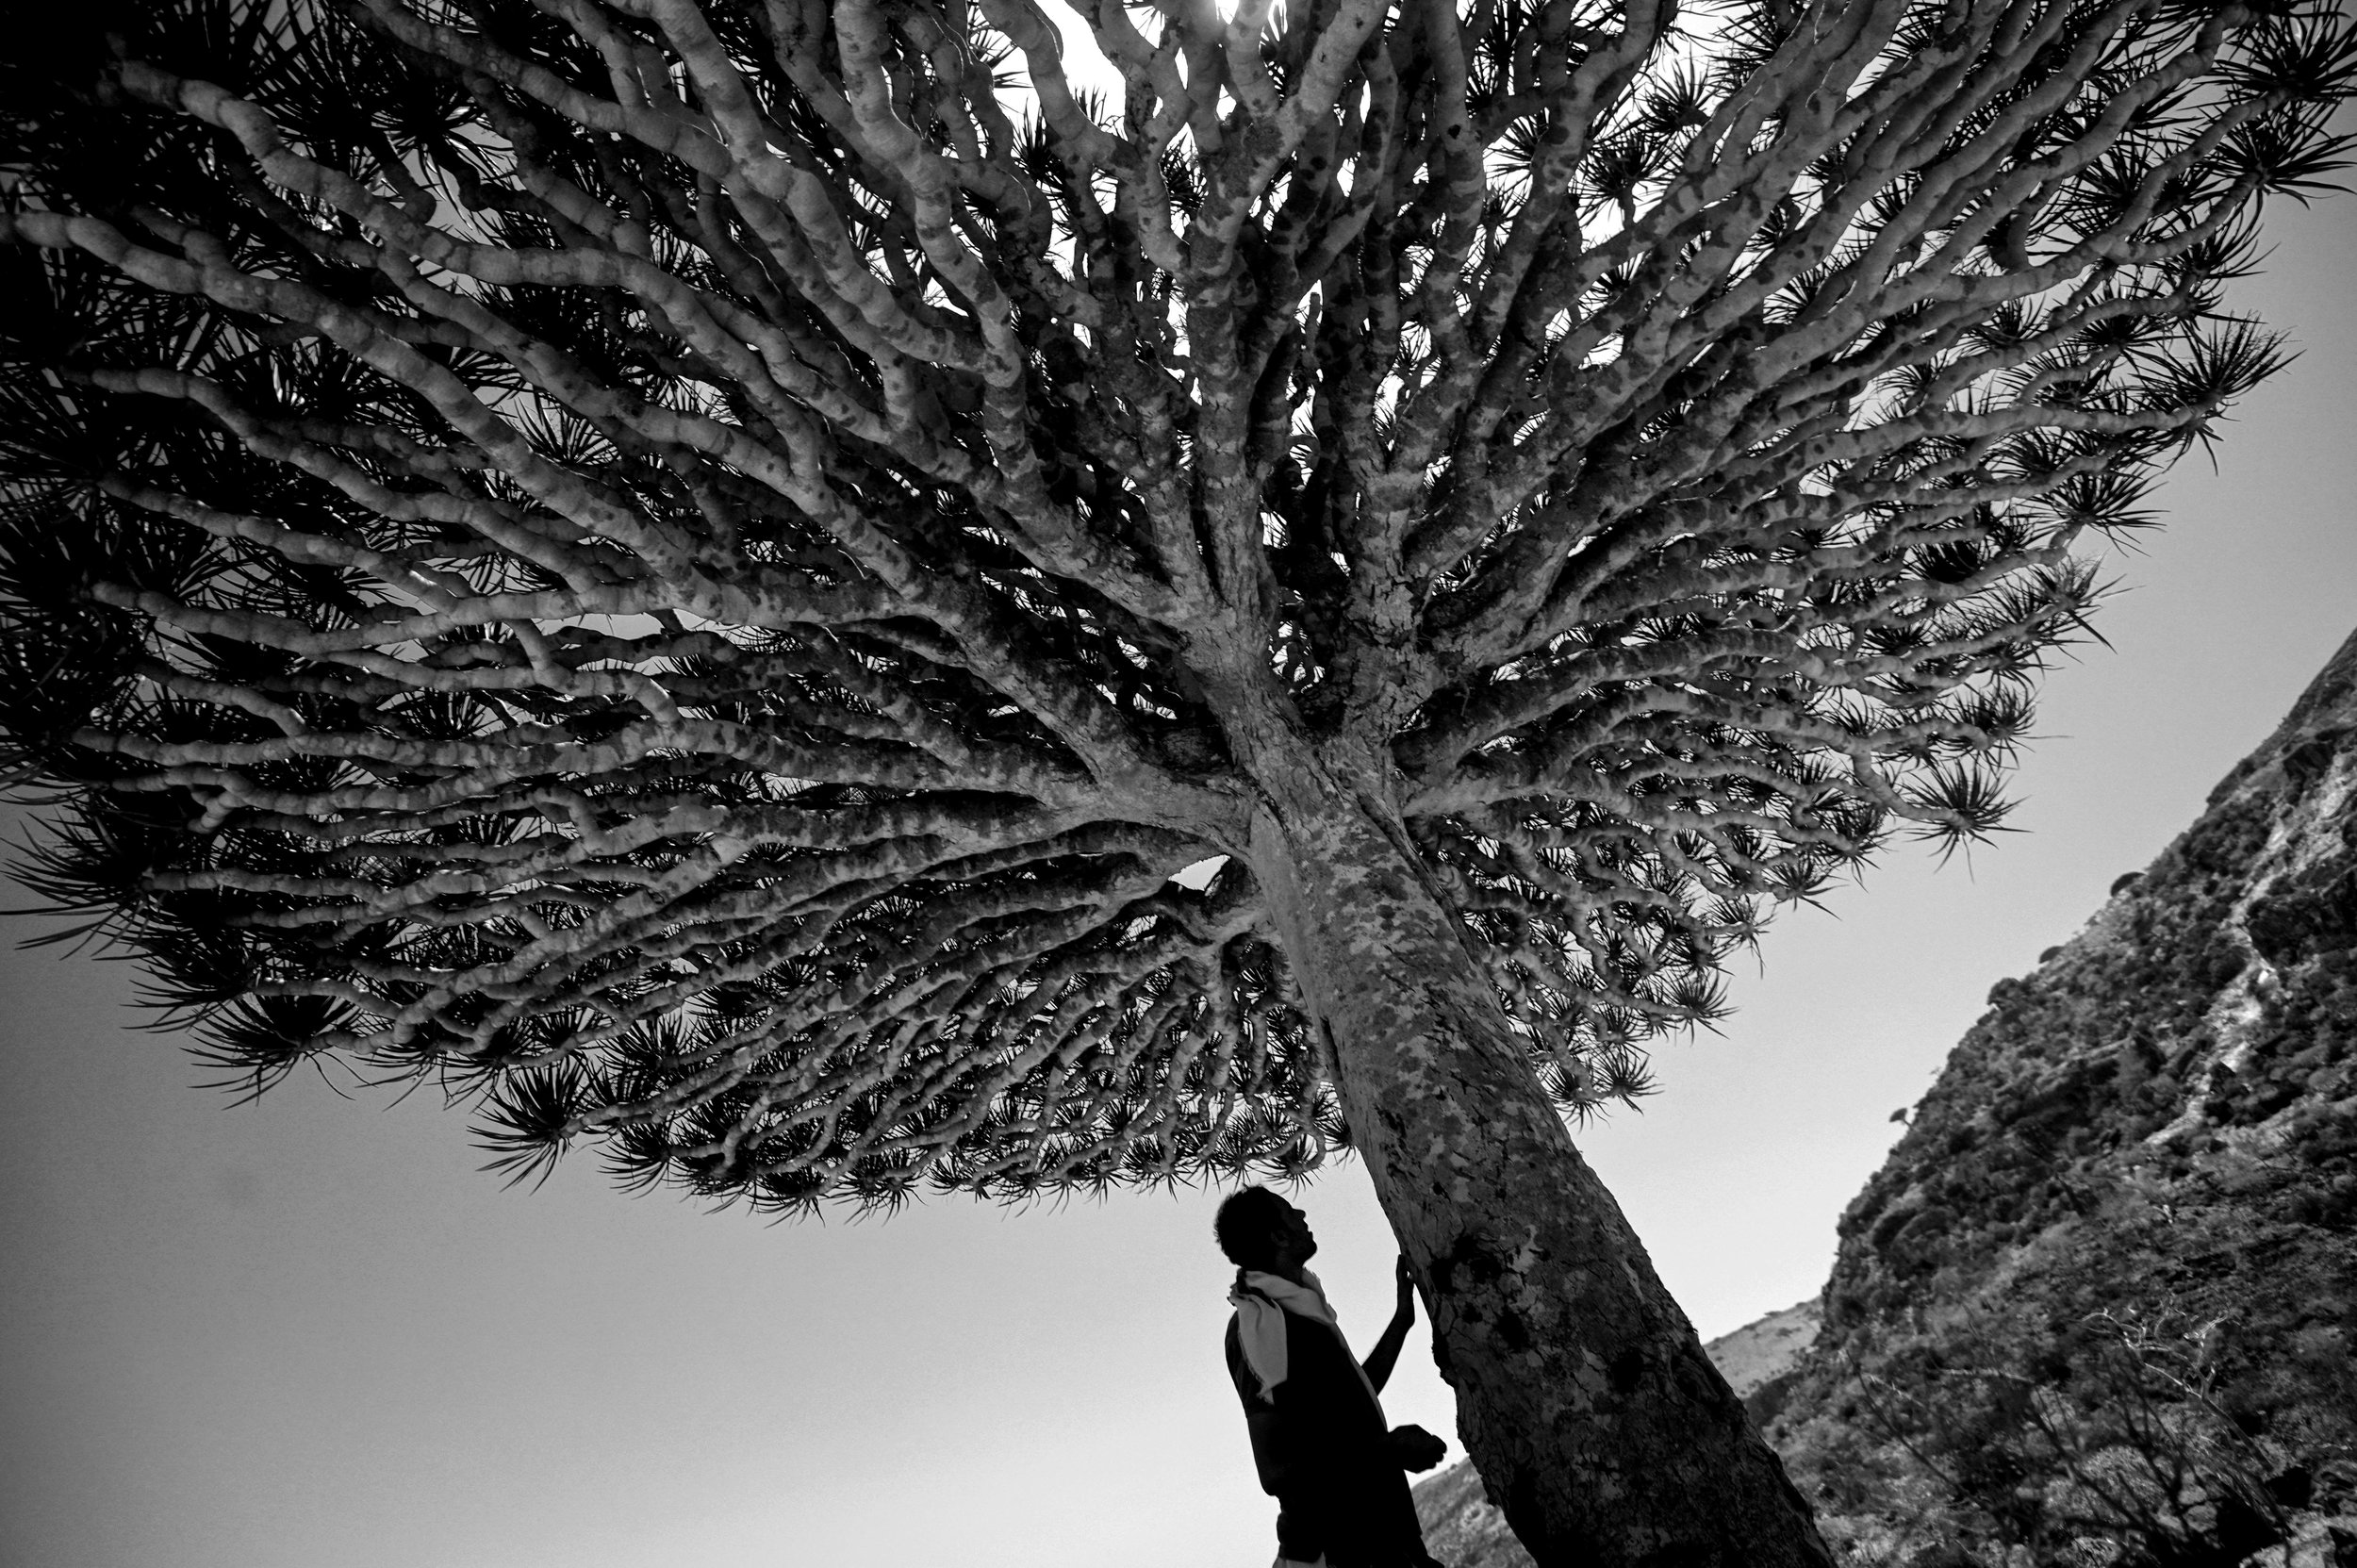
x,y
2100,1307
2101,1304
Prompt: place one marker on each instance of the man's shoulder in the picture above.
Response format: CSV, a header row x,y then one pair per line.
x,y
1239,1370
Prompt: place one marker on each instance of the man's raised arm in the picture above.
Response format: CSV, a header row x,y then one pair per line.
x,y
1385,1355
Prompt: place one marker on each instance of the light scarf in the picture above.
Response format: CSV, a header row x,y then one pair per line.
x,y
1261,1300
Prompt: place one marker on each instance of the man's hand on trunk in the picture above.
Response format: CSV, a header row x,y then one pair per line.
x,y
1406,1273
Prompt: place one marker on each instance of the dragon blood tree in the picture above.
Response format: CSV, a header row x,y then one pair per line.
x,y
697,572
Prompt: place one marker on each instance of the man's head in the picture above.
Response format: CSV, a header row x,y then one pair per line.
x,y
1258,1230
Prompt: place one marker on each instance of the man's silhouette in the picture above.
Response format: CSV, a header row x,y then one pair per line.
x,y
1318,1433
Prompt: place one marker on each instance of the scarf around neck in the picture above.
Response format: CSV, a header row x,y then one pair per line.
x,y
1261,1300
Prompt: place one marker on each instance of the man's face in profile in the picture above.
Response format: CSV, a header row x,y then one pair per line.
x,y
1295,1241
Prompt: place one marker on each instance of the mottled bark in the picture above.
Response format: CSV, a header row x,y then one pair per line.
x,y
1583,1394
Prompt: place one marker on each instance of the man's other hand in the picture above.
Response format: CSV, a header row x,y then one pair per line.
x,y
1415,1448
1406,1273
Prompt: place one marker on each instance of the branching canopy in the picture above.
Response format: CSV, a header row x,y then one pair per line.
x,y
699,568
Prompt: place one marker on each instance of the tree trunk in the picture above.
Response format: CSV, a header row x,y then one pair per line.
x,y
1583,1395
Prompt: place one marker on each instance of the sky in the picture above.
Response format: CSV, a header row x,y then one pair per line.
x,y
309,1331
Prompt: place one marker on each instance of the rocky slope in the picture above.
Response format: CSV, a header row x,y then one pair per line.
x,y
2100,1307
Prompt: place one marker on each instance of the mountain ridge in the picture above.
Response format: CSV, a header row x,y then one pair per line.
x,y
2098,1305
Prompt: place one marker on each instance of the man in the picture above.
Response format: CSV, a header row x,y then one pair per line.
x,y
1319,1438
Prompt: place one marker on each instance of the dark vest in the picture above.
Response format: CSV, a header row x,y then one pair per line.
x,y
1318,1441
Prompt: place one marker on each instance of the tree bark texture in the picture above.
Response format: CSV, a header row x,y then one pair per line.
x,y
1583,1396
